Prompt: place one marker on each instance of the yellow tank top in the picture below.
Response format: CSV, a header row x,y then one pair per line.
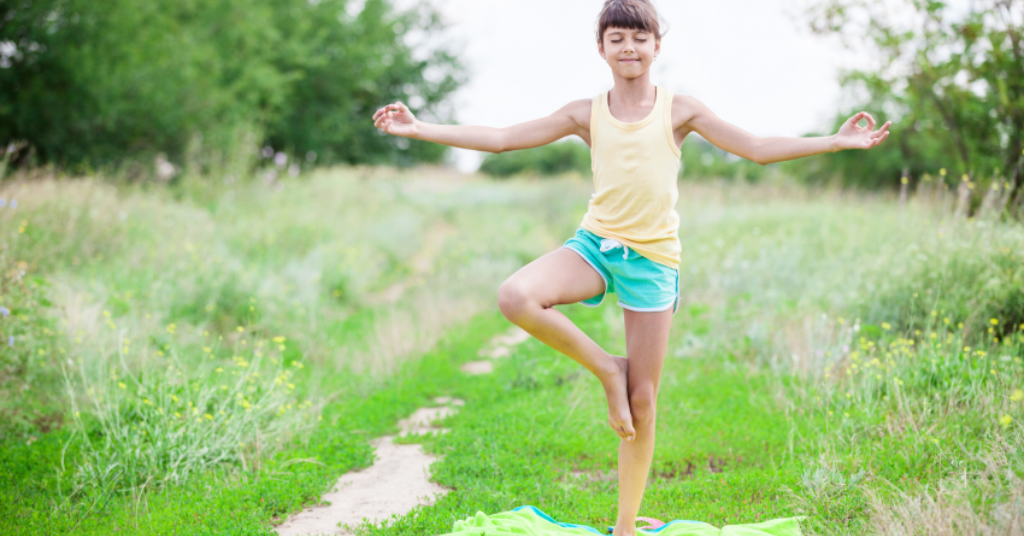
x,y
636,166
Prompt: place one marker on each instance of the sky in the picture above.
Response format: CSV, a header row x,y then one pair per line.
x,y
753,62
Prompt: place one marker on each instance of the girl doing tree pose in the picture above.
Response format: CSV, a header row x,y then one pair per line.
x,y
628,241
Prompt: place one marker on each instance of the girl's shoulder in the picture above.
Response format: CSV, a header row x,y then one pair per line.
x,y
578,111
684,109
581,106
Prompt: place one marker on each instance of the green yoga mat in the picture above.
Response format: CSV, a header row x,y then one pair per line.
x,y
529,521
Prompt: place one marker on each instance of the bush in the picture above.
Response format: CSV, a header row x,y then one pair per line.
x,y
548,160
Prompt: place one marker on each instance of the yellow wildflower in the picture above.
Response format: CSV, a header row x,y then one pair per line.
x,y
1006,420
1017,395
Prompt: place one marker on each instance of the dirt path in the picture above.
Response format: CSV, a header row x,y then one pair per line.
x,y
499,347
400,478
396,483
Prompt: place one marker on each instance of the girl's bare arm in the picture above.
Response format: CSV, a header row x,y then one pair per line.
x,y
573,118
698,118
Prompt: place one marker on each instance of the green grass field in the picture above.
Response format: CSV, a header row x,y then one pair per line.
x,y
205,358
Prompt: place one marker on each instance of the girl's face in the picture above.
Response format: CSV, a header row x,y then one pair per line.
x,y
629,53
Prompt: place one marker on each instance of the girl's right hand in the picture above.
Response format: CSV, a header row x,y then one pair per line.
x,y
396,119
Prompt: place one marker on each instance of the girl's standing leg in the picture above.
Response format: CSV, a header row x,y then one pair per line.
x,y
528,298
646,344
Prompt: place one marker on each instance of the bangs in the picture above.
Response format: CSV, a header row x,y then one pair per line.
x,y
628,14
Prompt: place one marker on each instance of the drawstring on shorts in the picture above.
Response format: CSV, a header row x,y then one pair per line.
x,y
609,244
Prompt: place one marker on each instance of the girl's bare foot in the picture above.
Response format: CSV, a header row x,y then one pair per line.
x,y
626,530
617,391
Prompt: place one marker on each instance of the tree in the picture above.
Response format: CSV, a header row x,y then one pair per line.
x,y
200,80
953,85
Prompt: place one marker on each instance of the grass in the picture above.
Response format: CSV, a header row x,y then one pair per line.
x,y
207,358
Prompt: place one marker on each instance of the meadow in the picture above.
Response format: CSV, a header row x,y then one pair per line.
x,y
207,357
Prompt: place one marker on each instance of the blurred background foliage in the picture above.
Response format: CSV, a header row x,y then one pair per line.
x,y
547,161
88,83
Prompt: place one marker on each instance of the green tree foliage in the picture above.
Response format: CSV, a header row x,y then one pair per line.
x,y
88,81
952,82
546,160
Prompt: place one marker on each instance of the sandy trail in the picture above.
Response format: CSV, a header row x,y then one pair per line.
x,y
395,484
499,347
399,480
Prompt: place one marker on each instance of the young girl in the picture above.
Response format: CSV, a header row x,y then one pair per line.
x,y
628,242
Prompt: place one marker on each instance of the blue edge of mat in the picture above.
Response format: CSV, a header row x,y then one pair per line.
x,y
592,529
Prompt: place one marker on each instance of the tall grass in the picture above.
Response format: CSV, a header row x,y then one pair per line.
x,y
166,421
180,329
905,326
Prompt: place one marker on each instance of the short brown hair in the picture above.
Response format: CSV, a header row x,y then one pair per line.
x,y
629,14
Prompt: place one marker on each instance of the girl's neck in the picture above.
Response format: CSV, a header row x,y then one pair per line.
x,y
634,91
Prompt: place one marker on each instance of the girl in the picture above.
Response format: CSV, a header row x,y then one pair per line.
x,y
628,241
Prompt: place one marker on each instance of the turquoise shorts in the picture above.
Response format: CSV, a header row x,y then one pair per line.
x,y
640,283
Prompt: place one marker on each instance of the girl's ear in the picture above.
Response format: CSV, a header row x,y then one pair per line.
x,y
600,49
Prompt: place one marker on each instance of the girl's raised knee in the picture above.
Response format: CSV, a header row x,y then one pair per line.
x,y
512,300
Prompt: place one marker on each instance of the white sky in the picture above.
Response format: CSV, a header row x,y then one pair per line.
x,y
753,62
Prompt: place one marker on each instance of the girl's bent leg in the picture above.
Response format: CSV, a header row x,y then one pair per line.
x,y
646,344
528,298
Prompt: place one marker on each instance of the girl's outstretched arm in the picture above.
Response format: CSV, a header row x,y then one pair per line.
x,y
573,118
698,118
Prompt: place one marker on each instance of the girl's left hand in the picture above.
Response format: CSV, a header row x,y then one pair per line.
x,y
396,119
851,136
